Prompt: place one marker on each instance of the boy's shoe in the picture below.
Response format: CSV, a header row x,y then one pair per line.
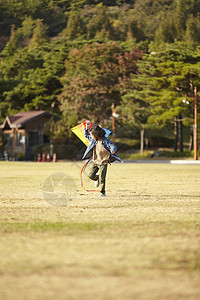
x,y
102,195
96,183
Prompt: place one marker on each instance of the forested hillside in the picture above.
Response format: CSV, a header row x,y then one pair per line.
x,y
75,58
142,20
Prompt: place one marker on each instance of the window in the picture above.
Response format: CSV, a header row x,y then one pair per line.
x,y
19,139
7,139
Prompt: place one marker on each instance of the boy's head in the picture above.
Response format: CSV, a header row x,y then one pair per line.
x,y
97,132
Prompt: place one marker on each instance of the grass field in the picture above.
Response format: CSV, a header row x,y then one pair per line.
x,y
140,242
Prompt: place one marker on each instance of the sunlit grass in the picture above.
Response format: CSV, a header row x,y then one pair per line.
x,y
140,242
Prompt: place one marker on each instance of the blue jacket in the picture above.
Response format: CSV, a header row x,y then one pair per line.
x,y
107,144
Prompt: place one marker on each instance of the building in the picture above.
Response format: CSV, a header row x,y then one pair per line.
x,y
22,131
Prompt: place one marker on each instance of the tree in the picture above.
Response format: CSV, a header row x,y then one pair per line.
x,y
164,78
192,29
29,79
166,31
75,26
26,31
39,35
94,78
134,110
13,42
100,25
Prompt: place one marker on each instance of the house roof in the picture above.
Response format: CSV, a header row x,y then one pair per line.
x,y
22,118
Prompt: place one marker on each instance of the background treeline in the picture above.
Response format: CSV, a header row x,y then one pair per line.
x,y
76,58
142,20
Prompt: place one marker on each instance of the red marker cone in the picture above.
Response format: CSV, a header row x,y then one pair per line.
x,y
48,157
54,157
39,158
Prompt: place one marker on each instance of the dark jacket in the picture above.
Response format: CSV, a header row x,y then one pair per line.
x,y
106,143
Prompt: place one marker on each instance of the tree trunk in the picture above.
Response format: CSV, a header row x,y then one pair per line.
x,y
180,131
146,143
175,134
141,140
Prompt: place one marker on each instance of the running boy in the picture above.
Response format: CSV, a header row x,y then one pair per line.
x,y
103,152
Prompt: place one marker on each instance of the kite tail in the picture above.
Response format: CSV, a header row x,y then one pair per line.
x,y
82,179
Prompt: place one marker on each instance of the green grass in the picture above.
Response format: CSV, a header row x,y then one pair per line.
x,y
137,155
140,242
162,154
50,226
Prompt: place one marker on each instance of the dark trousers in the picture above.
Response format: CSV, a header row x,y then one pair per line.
x,y
94,168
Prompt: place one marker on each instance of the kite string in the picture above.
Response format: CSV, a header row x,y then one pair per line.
x,y
83,168
82,177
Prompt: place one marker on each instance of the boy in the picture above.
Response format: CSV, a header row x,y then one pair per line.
x,y
103,151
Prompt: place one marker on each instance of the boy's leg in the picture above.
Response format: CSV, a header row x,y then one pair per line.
x,y
102,177
93,171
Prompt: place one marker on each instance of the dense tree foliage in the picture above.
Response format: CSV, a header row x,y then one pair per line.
x,y
156,96
30,77
159,20
94,78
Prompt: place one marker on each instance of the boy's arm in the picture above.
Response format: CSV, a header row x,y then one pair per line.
x,y
86,132
112,147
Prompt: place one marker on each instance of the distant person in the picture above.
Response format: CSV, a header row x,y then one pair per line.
x,y
103,153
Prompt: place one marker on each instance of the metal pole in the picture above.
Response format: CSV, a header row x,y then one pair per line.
x,y
195,125
113,122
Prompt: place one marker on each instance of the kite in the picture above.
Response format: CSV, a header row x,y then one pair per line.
x,y
80,133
